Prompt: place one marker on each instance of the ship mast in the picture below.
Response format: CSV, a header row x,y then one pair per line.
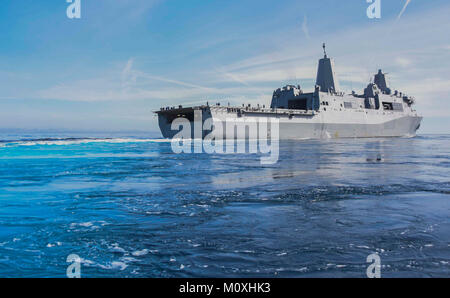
x,y
326,77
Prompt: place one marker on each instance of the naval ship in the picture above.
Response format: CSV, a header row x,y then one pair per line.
x,y
326,112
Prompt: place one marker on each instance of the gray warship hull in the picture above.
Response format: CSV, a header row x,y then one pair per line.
x,y
291,125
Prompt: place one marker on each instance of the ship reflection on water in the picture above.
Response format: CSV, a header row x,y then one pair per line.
x,y
325,162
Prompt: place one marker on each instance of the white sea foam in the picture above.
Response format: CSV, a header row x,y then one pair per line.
x,y
65,142
93,225
114,265
116,248
81,224
139,253
363,246
86,262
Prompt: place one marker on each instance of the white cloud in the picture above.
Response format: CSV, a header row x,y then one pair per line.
x,y
128,76
403,62
270,74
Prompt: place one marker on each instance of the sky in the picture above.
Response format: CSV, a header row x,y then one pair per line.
x,y
124,59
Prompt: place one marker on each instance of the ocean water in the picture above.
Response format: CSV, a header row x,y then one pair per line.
x,y
129,207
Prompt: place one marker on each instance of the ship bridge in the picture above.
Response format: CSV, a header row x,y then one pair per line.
x,y
292,97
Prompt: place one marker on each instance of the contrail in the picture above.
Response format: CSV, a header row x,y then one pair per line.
x,y
403,9
305,27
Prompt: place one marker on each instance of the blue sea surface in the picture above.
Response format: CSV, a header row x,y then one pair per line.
x,y
130,207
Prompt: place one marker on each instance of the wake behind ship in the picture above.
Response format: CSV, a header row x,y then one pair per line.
x,y
326,112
